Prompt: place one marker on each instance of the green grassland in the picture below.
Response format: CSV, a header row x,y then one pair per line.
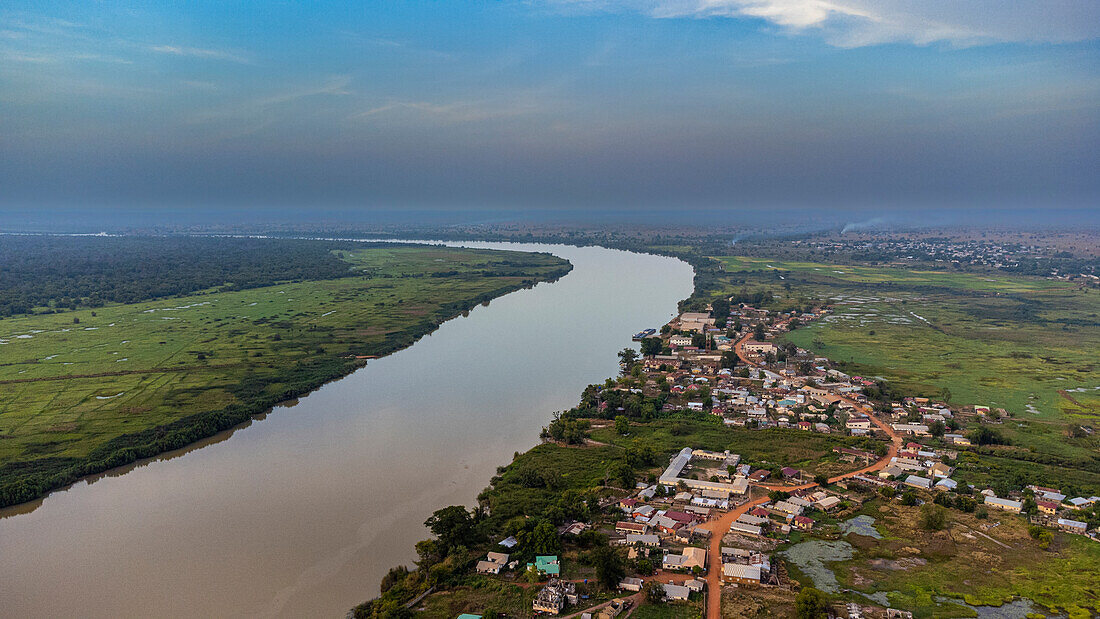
x,y
808,451
1024,344
81,391
916,568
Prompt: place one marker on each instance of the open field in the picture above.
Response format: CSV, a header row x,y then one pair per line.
x,y
88,389
1024,344
916,569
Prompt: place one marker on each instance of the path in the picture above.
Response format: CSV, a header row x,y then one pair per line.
x,y
719,527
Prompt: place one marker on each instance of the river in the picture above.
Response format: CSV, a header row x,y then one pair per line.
x,y
300,513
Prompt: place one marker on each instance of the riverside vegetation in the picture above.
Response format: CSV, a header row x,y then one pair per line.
x,y
258,322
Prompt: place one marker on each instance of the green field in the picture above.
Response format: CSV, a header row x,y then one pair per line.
x,y
1024,344
916,568
84,390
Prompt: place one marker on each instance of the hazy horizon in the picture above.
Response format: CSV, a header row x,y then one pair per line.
x,y
550,104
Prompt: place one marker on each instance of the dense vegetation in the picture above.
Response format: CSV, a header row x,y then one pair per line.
x,y
67,272
86,390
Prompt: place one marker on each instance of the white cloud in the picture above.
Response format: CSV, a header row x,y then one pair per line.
x,y
855,23
459,112
198,52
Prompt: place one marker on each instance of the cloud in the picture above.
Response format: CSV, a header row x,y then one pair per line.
x,y
198,52
459,112
856,23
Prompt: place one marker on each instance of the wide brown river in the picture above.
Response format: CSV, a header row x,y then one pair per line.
x,y
299,514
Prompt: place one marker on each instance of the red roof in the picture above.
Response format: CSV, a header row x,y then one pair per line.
x,y
759,512
680,516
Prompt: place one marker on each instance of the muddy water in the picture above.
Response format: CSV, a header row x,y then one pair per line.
x,y
300,513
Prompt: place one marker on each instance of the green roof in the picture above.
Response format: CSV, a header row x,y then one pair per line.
x,y
547,564
469,616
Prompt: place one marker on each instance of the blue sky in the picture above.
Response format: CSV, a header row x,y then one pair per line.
x,y
572,103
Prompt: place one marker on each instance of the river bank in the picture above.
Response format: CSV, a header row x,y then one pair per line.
x,y
305,511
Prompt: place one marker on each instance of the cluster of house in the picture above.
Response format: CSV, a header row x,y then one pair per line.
x,y
746,567
1054,508
494,563
920,467
783,516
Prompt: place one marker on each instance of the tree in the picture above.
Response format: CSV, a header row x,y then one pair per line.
x,y
622,425
936,428
628,356
452,525
811,604
933,517
821,480
1045,538
729,360
651,346
1030,507
543,540
609,567
654,592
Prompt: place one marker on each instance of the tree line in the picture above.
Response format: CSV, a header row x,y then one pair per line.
x,y
53,273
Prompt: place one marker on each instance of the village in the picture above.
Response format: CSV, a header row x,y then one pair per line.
x,y
711,520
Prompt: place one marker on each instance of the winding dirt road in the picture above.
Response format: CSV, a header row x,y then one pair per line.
x,y
719,527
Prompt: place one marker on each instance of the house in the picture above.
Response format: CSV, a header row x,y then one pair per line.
x,y
747,529
682,517
665,524
631,527
1047,507
891,471
946,484
790,473
493,563
631,584
911,429
643,511
692,557
858,423
759,475
679,340
488,567
788,508
646,540
695,584
753,520
802,522
740,574
1005,504
939,469
546,564
918,482
828,503
677,592
575,528
628,504
1072,526
760,348
799,501
553,597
